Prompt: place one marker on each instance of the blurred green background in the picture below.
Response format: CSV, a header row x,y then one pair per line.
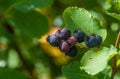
x,y
24,26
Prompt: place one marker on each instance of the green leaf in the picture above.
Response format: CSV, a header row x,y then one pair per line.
x,y
28,5
117,75
114,10
106,73
118,62
94,61
79,18
32,23
24,5
114,15
73,71
110,40
11,74
2,30
5,4
13,59
103,76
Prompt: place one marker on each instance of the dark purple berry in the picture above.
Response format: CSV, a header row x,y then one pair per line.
x,y
72,52
72,40
53,40
64,46
99,38
79,35
63,34
91,41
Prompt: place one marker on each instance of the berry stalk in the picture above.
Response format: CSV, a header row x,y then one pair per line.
x,y
114,67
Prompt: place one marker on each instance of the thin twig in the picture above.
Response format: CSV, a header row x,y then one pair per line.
x,y
114,67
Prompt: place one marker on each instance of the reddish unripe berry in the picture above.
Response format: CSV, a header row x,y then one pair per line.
x,y
64,46
63,34
72,40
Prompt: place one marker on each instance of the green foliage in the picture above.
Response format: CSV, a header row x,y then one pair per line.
x,y
117,16
28,5
11,74
79,18
95,61
29,23
73,71
114,10
4,4
117,76
25,5
24,22
115,6
13,59
108,40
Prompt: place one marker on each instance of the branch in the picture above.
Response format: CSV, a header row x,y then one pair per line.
x,y
25,63
114,68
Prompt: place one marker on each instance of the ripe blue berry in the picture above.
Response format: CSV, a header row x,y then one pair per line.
x,y
64,46
99,38
53,40
79,35
72,40
63,34
72,52
91,41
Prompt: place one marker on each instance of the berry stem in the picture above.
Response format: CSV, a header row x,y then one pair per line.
x,y
114,67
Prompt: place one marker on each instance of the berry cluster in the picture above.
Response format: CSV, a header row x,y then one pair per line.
x,y
66,43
